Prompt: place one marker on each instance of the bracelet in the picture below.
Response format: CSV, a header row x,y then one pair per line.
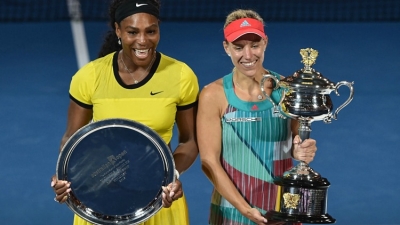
x,y
176,174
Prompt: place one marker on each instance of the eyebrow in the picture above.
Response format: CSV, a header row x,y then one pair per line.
x,y
149,27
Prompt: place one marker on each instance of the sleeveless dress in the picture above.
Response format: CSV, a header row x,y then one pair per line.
x,y
256,147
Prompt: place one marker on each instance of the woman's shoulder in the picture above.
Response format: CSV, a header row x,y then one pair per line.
x,y
277,75
170,60
105,59
95,67
178,68
218,86
99,62
213,89
212,97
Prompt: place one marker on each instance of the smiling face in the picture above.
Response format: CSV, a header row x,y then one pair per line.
x,y
140,34
247,53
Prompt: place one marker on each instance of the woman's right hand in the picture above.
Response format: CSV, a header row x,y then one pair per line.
x,y
256,217
61,189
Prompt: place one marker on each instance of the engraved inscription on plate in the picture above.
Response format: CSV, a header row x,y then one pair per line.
x,y
114,170
109,170
312,201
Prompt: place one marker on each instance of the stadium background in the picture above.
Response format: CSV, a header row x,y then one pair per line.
x,y
357,41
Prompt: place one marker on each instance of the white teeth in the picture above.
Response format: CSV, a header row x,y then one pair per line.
x,y
146,50
141,52
249,64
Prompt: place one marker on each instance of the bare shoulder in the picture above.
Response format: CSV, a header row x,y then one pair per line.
x,y
212,98
213,91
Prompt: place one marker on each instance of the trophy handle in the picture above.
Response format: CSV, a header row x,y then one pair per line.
x,y
349,99
265,77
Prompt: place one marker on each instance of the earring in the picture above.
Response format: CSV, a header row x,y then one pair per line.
x,y
119,41
229,55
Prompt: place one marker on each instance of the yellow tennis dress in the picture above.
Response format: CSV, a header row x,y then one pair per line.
x,y
171,85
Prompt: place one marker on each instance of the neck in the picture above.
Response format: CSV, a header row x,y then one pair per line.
x,y
249,86
127,63
136,75
246,81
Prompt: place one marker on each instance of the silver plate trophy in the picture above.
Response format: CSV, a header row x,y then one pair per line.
x,y
302,195
116,168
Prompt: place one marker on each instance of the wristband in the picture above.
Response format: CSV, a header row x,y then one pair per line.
x,y
176,174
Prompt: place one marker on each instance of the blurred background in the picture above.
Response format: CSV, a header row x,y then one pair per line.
x,y
44,42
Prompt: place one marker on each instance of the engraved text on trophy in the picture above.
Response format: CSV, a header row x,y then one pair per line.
x,y
114,170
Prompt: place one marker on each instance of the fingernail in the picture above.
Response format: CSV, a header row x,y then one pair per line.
x,y
171,194
68,190
53,183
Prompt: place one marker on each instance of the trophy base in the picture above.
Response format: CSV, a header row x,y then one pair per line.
x,y
301,201
317,219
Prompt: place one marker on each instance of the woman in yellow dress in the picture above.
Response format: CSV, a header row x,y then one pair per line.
x,y
132,80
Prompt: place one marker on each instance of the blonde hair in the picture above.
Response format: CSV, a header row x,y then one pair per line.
x,y
242,13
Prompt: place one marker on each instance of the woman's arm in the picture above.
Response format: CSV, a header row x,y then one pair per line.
x,y
77,118
186,152
209,134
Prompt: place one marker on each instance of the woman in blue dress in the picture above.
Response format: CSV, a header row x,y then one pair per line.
x,y
243,145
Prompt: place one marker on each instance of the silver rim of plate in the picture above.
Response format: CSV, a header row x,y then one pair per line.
x,y
117,168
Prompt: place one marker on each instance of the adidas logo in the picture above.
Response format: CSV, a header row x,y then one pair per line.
x,y
245,24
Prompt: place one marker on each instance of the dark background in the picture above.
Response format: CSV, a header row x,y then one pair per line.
x,y
358,153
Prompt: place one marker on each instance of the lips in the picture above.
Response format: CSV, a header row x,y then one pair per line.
x,y
249,64
141,53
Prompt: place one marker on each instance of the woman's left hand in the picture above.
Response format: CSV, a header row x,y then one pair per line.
x,y
304,151
171,193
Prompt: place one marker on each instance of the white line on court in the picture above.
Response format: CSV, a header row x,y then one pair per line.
x,y
78,32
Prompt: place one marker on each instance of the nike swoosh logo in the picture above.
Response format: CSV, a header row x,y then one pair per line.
x,y
154,93
138,5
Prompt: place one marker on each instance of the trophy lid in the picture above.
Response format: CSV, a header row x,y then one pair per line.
x,y
308,77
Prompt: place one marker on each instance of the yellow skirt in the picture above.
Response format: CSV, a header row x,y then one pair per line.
x,y
176,214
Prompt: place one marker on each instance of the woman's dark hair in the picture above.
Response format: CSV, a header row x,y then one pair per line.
x,y
110,43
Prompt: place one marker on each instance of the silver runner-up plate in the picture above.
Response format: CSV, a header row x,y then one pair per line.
x,y
117,168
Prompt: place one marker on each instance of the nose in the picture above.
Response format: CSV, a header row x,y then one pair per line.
x,y
142,38
247,53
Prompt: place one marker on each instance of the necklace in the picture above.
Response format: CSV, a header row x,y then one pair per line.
x,y
259,97
130,73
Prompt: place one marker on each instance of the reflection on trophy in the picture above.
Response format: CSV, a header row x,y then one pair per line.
x,y
302,193
117,168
